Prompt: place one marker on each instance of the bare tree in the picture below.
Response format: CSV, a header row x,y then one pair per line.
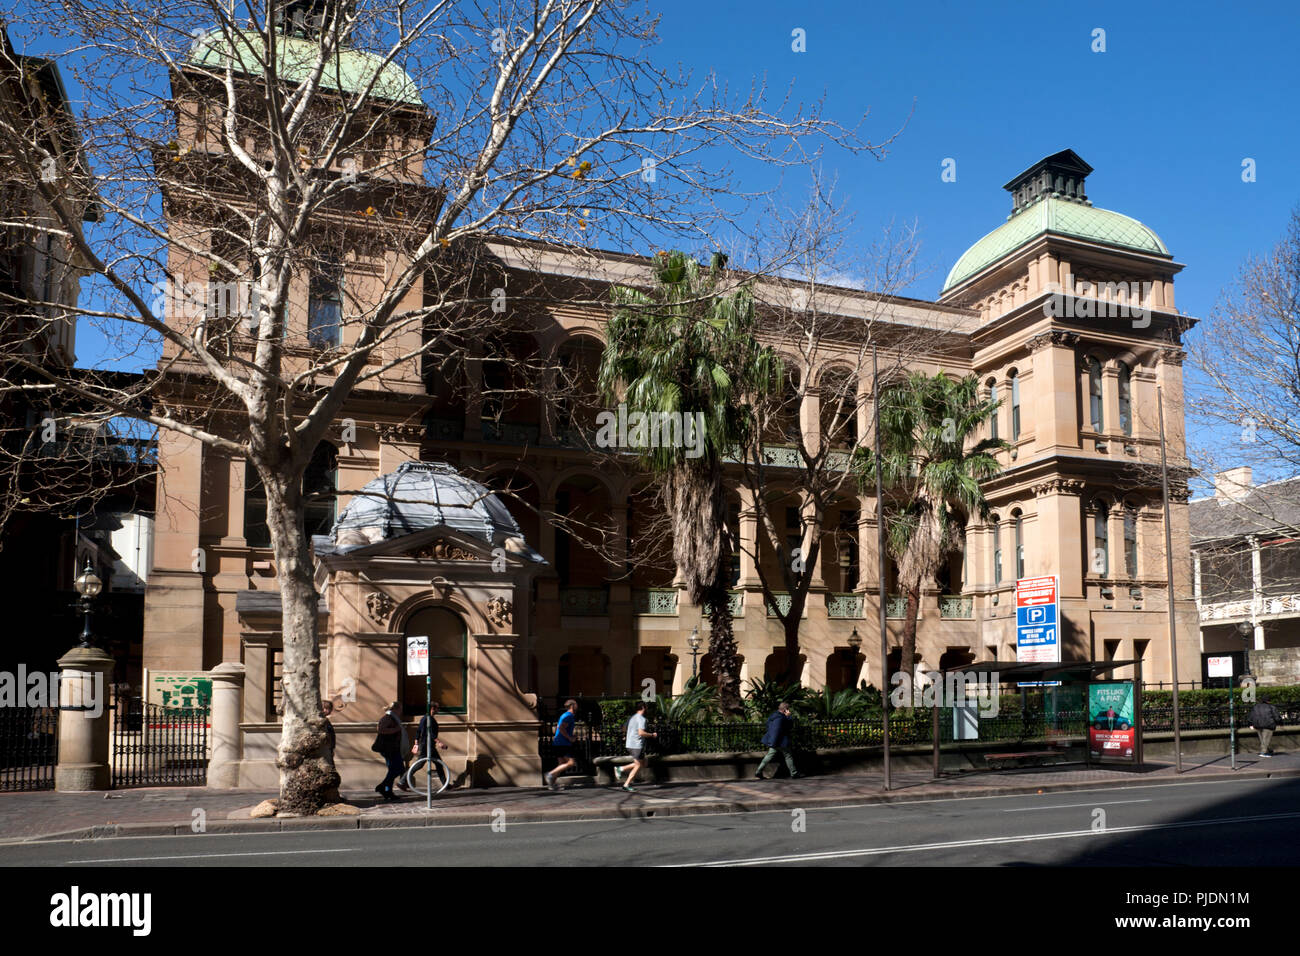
x,y
827,326
362,156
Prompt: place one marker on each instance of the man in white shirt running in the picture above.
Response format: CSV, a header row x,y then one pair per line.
x,y
635,743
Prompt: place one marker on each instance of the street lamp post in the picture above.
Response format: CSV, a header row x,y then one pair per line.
x,y
694,643
88,586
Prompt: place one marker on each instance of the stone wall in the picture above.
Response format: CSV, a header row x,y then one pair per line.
x,y
1275,666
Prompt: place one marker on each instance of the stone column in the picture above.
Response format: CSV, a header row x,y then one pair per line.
x,y
748,541
84,721
227,709
1052,407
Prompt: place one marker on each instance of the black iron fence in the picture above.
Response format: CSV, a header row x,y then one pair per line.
x,y
155,746
592,740
29,747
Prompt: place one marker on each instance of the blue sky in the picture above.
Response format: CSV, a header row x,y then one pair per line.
x,y
1184,92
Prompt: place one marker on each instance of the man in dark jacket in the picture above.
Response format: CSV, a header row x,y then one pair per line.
x,y
428,733
777,738
1264,717
388,744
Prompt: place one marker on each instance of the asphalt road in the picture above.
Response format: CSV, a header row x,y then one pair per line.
x,y
1236,823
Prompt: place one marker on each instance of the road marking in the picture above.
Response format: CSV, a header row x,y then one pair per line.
x,y
1249,783
989,841
208,856
1070,806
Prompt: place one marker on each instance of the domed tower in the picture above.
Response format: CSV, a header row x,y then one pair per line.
x,y
1078,336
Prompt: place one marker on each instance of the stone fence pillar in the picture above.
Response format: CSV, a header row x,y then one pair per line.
x,y
227,709
84,721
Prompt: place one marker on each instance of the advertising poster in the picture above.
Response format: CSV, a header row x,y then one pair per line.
x,y
1111,729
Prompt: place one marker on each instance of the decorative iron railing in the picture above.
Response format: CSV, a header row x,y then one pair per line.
x,y
584,602
780,601
661,601
896,607
956,607
737,601
29,747
155,746
844,605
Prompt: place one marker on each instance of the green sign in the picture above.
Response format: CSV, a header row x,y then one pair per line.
x,y
173,689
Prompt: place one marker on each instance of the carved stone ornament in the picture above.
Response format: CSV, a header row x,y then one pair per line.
x,y
400,434
441,550
1059,486
1053,337
380,606
500,611
1172,356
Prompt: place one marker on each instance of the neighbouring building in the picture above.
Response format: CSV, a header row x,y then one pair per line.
x,y
1246,572
1065,312
69,487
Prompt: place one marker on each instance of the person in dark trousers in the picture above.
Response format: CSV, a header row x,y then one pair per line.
x,y
562,745
777,739
388,744
428,732
1264,718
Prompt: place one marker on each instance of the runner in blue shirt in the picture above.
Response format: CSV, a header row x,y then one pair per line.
x,y
563,742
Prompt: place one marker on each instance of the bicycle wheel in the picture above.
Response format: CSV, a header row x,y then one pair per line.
x,y
439,783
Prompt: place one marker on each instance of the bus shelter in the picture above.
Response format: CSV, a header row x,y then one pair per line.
x,y
1080,699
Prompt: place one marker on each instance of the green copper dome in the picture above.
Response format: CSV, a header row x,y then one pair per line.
x,y
1058,216
1049,197
351,71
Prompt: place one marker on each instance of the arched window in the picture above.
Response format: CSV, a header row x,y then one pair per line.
x,y
1015,404
1100,563
1020,543
993,421
997,550
1094,395
1125,399
1130,541
447,654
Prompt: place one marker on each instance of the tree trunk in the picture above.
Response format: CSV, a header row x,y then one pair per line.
x,y
793,670
722,647
307,773
906,659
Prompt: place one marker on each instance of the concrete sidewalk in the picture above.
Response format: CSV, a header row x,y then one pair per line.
x,y
179,811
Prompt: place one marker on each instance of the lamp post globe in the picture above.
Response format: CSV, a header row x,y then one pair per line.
x,y
693,642
88,585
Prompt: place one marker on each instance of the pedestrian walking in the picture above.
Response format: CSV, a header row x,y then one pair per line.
x,y
389,744
327,708
637,736
562,745
1264,718
777,739
426,734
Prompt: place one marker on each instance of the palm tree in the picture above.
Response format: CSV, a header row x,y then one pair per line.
x,y
929,459
688,347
